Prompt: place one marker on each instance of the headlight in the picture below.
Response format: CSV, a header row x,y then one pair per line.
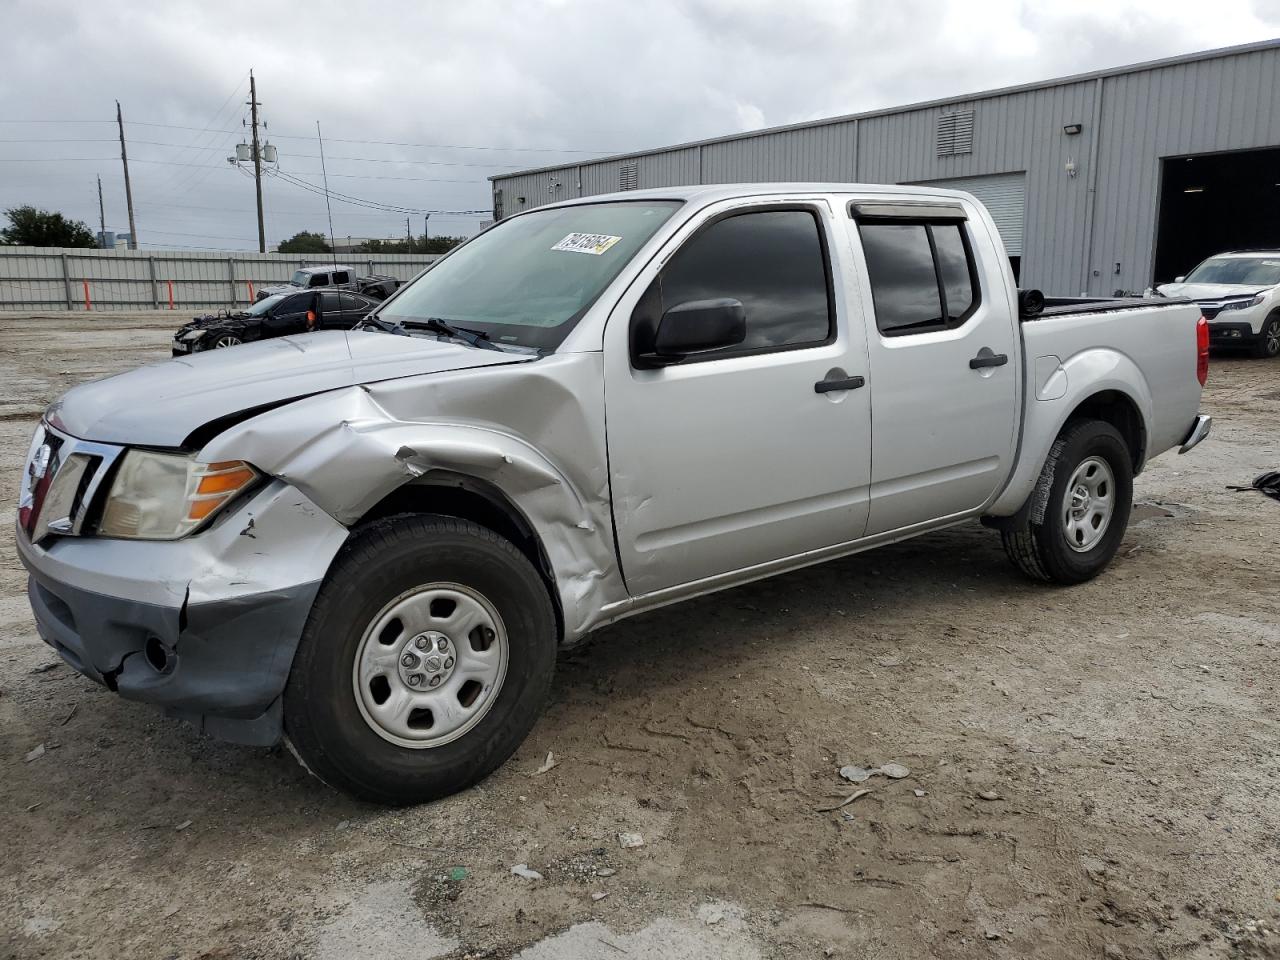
x,y
164,496
1244,304
191,335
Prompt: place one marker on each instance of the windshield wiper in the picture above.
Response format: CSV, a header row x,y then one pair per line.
x,y
386,326
477,338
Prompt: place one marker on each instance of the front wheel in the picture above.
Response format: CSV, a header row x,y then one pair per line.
x,y
1080,508
1268,345
425,662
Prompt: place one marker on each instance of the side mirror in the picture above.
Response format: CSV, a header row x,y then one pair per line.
x,y
693,327
1179,279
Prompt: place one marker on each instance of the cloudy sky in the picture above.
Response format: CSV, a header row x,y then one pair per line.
x,y
419,102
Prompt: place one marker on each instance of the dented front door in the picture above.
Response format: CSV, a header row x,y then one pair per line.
x,y
756,452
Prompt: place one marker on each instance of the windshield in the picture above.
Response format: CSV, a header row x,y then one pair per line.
x,y
265,304
300,278
1250,271
528,280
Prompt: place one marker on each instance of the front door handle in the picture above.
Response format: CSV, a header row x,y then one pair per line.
x,y
988,360
844,383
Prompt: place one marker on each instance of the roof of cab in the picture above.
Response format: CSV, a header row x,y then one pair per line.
x,y
712,192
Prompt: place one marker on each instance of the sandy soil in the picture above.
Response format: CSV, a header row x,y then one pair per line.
x,y
1123,734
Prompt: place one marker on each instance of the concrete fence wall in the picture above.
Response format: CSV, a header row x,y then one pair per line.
x,y
52,278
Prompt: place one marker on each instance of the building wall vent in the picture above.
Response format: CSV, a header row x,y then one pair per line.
x,y
629,175
955,133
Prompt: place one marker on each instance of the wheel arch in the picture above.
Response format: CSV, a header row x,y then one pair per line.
x,y
1118,409
1102,384
452,494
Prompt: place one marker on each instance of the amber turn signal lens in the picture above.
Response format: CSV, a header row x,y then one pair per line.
x,y
217,484
202,508
227,482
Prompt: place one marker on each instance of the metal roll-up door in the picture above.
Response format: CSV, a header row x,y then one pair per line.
x,y
1005,197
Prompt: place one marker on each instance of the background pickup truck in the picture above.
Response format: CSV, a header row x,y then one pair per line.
x,y
373,542
336,276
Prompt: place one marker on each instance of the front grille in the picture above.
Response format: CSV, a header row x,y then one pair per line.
x,y
37,477
59,482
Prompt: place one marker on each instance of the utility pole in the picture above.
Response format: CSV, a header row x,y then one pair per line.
x,y
128,190
257,162
408,233
102,217
426,231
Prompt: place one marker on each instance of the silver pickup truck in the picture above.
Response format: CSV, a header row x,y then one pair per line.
x,y
372,543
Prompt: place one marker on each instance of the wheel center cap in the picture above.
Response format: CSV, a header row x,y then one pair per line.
x,y
426,660
1081,501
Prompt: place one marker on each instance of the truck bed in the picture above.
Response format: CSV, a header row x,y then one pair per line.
x,y
1070,306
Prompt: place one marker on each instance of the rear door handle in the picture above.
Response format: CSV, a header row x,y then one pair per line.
x,y
846,383
988,360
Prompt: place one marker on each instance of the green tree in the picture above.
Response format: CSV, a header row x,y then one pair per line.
x,y
305,242
45,228
439,244
417,245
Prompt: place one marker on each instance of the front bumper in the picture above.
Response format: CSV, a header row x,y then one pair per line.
x,y
205,627
1225,334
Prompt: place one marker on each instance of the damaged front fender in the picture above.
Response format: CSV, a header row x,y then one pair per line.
x,y
534,431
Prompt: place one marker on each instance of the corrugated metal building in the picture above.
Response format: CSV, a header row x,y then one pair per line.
x,y
1099,182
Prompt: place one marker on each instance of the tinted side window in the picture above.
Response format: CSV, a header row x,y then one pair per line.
x,y
772,261
922,275
319,280
953,266
351,302
329,301
295,304
904,284
341,277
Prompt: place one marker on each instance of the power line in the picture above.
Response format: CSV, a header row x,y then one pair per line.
x,y
287,136
309,156
364,202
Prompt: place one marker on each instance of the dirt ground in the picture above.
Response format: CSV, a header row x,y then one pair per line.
x,y
1094,771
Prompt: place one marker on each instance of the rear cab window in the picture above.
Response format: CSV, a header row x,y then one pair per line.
x,y
923,274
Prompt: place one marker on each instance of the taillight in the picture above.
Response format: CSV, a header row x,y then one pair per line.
x,y
1202,350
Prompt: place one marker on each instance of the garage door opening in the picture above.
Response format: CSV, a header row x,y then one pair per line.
x,y
1216,202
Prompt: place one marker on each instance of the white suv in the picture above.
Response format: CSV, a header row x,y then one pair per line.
x,y
1239,293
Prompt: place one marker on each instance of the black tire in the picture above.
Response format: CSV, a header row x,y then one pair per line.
x,y
322,718
1268,345
1038,543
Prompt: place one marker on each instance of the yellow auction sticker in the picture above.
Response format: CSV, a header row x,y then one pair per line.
x,y
592,243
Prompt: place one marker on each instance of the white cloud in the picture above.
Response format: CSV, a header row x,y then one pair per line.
x,y
552,75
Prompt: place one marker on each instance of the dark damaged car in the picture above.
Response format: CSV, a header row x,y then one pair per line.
x,y
278,315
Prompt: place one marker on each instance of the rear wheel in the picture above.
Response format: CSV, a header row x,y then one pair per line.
x,y
1268,344
426,660
1080,508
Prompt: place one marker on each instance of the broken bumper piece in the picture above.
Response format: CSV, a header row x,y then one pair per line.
x,y
205,627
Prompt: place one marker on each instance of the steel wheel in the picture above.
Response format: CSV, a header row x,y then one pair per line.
x,y
227,340
1088,504
430,665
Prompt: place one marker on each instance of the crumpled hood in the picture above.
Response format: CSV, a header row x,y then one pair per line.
x,y
160,404
1209,291
211,320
